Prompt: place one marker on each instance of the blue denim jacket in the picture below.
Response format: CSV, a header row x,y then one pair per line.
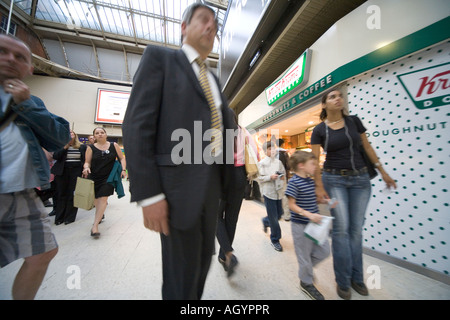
x,y
41,129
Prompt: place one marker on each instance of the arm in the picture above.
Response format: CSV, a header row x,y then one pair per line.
x,y
374,159
313,217
263,175
141,121
52,131
87,163
122,160
322,195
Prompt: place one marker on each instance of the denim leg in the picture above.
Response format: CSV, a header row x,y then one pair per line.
x,y
353,194
361,190
274,213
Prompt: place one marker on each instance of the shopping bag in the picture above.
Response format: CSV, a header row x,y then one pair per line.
x,y
251,161
318,232
84,194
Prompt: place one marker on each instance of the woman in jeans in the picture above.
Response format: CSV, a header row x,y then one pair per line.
x,y
346,179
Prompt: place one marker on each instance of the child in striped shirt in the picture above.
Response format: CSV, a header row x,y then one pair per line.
x,y
301,194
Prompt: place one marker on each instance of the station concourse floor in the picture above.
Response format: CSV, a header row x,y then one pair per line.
x,y
125,264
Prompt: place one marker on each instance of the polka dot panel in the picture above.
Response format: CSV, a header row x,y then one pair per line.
x,y
413,222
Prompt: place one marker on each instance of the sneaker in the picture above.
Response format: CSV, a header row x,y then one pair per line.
x,y
361,288
345,294
311,291
277,246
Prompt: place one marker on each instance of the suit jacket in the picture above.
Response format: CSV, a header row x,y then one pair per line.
x,y
167,109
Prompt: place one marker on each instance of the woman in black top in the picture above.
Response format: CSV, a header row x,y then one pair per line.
x,y
100,158
345,178
66,170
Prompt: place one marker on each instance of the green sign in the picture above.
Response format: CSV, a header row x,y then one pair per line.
x,y
295,76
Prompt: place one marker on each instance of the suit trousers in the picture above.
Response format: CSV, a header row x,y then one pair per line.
x,y
186,254
229,211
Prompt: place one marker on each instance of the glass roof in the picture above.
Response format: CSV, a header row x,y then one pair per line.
x,y
154,20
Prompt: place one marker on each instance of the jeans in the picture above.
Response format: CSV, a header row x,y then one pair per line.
x,y
352,194
274,212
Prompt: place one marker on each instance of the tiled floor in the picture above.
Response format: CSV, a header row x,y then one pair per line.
x,y
125,263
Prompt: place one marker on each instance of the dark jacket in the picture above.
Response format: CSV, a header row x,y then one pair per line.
x,y
166,106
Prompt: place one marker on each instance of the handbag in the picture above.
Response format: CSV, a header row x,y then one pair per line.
x,y
84,194
370,167
251,166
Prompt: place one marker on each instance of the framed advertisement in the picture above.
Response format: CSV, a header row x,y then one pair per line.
x,y
111,106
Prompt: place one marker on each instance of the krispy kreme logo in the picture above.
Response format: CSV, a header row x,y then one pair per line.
x,y
428,88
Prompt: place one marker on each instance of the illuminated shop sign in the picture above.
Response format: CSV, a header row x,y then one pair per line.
x,y
294,77
317,87
429,87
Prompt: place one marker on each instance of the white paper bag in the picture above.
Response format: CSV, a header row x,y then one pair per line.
x,y
318,232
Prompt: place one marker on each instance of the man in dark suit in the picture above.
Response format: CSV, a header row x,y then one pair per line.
x,y
174,176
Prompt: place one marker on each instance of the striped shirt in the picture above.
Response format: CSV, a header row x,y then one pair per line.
x,y
303,190
73,156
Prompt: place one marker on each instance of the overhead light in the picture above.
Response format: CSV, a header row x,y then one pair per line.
x,y
286,130
255,58
311,122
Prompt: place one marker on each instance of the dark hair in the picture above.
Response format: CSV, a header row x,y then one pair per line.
x,y
266,145
300,156
189,13
323,114
280,142
93,132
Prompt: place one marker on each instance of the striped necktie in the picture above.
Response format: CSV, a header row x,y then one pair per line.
x,y
216,139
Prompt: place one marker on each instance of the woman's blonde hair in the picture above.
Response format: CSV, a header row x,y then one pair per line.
x,y
76,142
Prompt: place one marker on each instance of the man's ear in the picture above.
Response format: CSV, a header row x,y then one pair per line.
x,y
183,31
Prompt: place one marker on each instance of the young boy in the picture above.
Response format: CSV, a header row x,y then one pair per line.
x,y
271,180
303,206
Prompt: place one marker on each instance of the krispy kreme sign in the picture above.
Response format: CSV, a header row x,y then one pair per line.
x,y
428,88
294,77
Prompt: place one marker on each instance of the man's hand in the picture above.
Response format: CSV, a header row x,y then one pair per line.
x,y
156,217
18,89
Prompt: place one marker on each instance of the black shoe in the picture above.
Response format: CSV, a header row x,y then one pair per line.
x,y
345,294
47,203
52,213
96,235
360,288
311,291
231,266
68,222
58,223
277,246
224,265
